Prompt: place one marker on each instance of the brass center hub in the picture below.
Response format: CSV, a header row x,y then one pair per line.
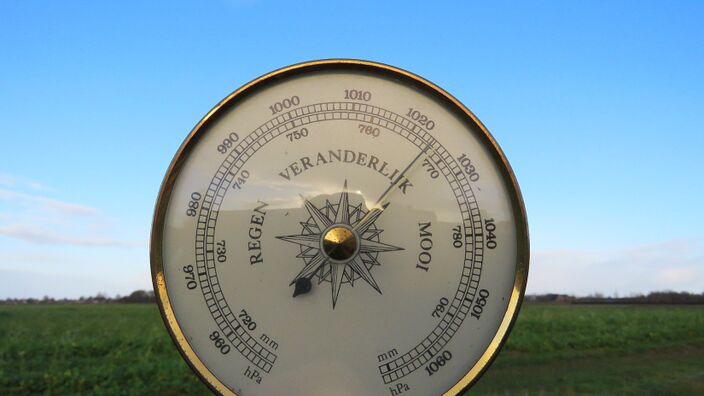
x,y
340,243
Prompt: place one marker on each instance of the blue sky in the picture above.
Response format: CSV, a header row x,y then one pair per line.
x,y
598,106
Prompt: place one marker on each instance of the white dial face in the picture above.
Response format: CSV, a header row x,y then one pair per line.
x,y
339,231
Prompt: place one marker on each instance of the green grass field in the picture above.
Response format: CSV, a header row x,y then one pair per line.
x,y
553,350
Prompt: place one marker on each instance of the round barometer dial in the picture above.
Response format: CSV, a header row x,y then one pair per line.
x,y
339,227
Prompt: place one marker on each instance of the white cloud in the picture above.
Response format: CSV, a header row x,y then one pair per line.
x,y
47,204
676,264
45,236
36,284
19,258
21,182
28,215
677,275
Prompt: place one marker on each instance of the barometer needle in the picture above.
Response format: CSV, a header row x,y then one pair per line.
x,y
377,207
303,286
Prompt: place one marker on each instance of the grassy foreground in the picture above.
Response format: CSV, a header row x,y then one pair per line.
x,y
601,350
90,349
553,350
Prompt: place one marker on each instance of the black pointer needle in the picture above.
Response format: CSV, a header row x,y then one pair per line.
x,y
303,286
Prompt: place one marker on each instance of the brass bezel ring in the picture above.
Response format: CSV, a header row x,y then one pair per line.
x,y
507,175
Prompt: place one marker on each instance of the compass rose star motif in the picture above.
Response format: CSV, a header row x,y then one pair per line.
x,y
339,243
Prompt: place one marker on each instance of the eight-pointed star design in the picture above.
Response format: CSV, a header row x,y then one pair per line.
x,y
318,263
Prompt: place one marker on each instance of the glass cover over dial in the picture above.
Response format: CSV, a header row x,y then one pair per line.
x,y
339,227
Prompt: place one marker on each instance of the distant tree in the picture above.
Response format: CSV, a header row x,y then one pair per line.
x,y
139,296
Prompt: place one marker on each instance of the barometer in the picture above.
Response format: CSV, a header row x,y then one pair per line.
x,y
339,227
